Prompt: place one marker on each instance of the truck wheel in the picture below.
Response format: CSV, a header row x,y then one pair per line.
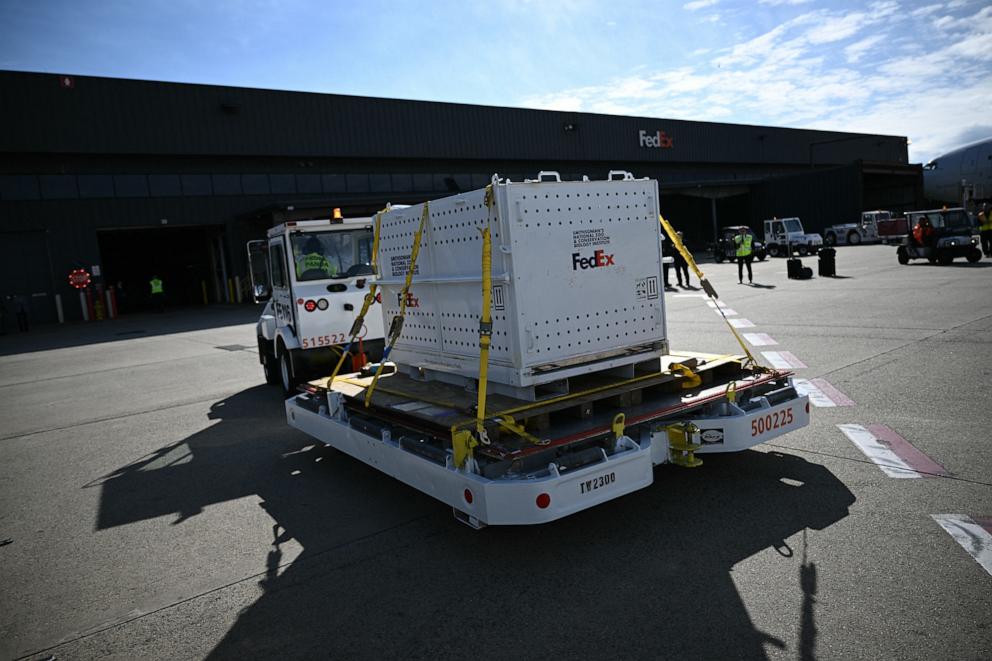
x,y
718,258
902,256
289,381
830,239
944,258
853,238
270,368
773,250
761,256
974,256
803,251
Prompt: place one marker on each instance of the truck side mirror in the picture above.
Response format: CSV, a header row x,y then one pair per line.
x,y
258,269
262,293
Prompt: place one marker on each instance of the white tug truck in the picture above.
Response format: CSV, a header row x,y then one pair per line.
x,y
875,226
781,233
533,376
313,276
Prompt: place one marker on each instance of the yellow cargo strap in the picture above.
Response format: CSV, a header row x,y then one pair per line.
x,y
485,333
356,328
509,424
708,288
396,327
681,449
673,236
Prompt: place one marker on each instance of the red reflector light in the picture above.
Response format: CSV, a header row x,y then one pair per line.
x,y
468,496
807,407
543,500
310,305
299,301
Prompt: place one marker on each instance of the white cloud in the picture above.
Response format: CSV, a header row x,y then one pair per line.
x,y
926,11
855,51
837,28
979,22
823,69
699,4
776,3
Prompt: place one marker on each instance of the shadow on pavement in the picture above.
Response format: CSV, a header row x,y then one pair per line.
x,y
386,572
76,334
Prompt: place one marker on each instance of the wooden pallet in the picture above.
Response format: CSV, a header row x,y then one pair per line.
x,y
434,408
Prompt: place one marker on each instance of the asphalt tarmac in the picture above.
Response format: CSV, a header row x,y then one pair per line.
x,y
154,503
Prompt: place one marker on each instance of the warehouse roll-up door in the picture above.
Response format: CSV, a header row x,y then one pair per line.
x,y
179,256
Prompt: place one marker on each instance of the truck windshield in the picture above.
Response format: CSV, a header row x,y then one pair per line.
x,y
882,215
793,225
340,254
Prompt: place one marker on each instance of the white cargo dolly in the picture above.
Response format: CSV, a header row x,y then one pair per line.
x,y
509,456
391,437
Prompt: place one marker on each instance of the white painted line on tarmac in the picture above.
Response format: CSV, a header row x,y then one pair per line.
x,y
882,455
716,304
759,339
816,396
727,312
689,296
821,393
827,388
896,456
741,323
783,360
975,539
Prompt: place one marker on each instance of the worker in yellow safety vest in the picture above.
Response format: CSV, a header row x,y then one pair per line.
x,y
745,255
312,258
158,293
985,230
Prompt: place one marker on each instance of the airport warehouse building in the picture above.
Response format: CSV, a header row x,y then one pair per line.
x,y
128,179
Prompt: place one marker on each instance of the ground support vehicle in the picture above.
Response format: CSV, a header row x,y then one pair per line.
x,y
784,235
875,226
953,237
545,460
313,276
517,400
725,247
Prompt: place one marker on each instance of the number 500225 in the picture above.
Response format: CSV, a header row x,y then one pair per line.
x,y
764,423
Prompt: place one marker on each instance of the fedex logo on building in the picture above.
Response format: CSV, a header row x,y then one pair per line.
x,y
598,259
657,140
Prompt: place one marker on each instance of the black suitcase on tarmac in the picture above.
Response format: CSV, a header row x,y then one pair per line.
x,y
794,268
827,265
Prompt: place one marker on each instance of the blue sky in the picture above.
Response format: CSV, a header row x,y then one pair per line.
x,y
917,68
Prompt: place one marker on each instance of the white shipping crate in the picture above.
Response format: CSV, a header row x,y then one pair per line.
x,y
576,280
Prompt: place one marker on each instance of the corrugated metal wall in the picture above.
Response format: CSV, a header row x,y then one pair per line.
x,y
101,115
819,197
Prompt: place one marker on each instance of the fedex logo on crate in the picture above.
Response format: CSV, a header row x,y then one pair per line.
x,y
656,140
599,259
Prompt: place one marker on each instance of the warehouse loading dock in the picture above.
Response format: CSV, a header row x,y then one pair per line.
x,y
101,155
184,258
